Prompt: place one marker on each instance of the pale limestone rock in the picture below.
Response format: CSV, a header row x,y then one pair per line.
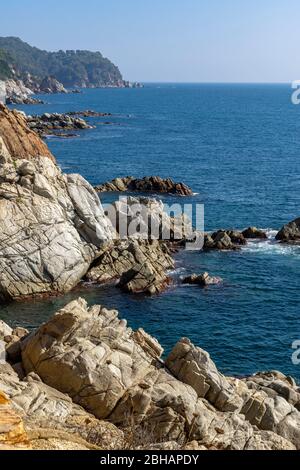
x,y
4,153
138,266
278,384
194,366
48,414
25,168
146,218
5,330
51,231
148,343
52,226
97,365
267,440
89,220
117,374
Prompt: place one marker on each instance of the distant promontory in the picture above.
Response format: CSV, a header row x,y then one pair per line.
x,y
82,69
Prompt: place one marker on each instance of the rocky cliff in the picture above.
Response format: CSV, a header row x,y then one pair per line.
x,y
17,141
52,225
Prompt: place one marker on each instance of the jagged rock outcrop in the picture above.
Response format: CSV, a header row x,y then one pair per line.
x,y
255,233
224,240
52,225
21,91
137,265
109,350
117,374
153,184
202,280
56,124
50,420
194,367
290,233
16,92
139,261
51,85
145,218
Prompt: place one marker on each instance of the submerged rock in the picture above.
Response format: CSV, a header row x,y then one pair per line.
x,y
153,184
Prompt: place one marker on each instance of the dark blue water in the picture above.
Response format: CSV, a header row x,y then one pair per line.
x,y
238,147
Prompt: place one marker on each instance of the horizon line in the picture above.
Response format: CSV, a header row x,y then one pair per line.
x,y
147,82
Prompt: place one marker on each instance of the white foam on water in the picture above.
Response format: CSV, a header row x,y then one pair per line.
x,y
271,245
271,233
178,271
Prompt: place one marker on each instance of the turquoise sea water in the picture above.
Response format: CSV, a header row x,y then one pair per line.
x,y
238,147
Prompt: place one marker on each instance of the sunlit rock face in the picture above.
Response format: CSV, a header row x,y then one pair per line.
x,y
51,225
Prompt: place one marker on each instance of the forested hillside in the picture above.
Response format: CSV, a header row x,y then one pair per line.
x,y
72,68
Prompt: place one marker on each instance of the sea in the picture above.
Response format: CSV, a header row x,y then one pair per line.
x,y
238,148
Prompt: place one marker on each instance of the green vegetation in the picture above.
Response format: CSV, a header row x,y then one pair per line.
x,y
5,60
72,68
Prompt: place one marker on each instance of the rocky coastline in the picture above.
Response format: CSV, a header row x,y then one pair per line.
x,y
20,91
63,125
84,380
56,124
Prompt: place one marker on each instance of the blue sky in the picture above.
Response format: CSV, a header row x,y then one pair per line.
x,y
169,40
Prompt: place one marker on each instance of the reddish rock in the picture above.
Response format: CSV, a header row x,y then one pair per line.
x,y
21,142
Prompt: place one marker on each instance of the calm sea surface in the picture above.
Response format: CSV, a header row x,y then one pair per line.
x,y
238,147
